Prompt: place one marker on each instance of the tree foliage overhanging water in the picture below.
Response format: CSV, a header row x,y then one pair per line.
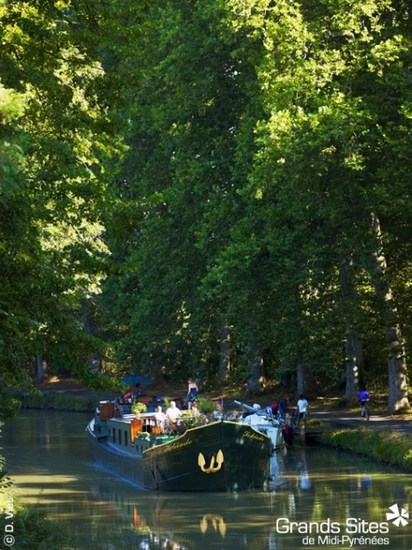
x,y
218,188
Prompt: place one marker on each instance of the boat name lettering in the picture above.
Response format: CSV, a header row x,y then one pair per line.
x,y
250,435
178,445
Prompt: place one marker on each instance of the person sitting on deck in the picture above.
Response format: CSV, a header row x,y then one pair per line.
x,y
268,410
173,414
275,408
127,397
218,412
234,415
194,409
160,417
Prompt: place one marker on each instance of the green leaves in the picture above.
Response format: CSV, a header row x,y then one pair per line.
x,y
57,150
260,138
264,136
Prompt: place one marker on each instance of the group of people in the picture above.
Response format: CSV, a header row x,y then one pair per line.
x,y
171,418
292,417
302,407
282,410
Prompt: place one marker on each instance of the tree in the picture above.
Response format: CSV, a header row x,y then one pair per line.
x,y
264,138
334,83
176,186
58,158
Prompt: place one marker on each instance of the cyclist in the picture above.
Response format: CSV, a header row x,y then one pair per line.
x,y
363,396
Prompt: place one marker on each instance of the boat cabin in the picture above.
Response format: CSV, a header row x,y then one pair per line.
x,y
130,433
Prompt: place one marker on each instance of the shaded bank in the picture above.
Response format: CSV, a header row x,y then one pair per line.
x,y
58,402
63,401
391,448
29,529
24,527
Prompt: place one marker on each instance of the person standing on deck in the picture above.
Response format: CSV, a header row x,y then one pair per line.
x,y
283,407
192,392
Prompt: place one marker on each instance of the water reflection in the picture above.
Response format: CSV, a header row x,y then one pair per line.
x,y
49,458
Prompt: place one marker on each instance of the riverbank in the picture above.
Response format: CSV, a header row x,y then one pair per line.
x,y
63,395
24,527
391,448
384,439
62,401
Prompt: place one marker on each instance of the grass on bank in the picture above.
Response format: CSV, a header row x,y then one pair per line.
x,y
31,529
391,448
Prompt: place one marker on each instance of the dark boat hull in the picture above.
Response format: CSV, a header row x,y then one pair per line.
x,y
221,456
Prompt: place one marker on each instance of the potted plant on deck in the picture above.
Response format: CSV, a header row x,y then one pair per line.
x,y
136,424
138,408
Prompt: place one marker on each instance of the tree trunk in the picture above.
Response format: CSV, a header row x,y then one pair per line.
x,y
224,354
354,365
254,383
95,359
353,349
397,367
305,383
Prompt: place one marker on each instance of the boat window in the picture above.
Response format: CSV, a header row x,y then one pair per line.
x,y
120,436
125,438
114,435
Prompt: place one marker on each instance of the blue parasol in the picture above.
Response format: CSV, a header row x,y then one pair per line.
x,y
137,379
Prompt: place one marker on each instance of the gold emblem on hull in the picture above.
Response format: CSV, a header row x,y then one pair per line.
x,y
215,463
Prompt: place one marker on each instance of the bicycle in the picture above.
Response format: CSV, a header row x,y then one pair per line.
x,y
365,410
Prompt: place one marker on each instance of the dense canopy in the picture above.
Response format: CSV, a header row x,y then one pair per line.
x,y
215,188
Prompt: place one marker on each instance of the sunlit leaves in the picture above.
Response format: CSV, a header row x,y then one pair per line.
x,y
265,133
58,155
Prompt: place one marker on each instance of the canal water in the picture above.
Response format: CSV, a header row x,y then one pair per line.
x,y
318,498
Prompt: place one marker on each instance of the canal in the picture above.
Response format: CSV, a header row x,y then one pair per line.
x,y
318,498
